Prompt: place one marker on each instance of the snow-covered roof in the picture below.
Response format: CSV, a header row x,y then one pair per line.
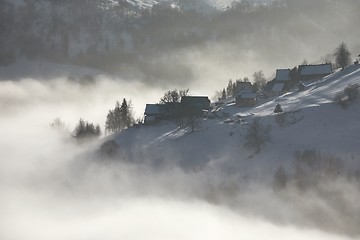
x,y
282,74
315,69
154,109
278,87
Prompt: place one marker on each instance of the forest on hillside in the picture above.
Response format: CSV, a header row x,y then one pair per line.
x,y
153,42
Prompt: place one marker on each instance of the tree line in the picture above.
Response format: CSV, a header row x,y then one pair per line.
x,y
117,119
120,117
61,25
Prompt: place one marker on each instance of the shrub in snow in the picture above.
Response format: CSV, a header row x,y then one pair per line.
x,y
278,108
348,95
352,91
109,148
257,135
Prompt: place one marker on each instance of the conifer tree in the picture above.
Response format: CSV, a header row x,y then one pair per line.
x,y
223,94
86,131
120,117
229,89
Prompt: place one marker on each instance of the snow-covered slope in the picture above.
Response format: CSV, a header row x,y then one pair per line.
x,y
312,120
316,94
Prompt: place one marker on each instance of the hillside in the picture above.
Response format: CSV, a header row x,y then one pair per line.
x,y
311,121
307,176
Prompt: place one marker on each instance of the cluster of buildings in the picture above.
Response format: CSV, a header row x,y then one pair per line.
x,y
284,80
287,79
244,94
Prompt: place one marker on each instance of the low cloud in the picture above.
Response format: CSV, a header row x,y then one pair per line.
x,y
53,188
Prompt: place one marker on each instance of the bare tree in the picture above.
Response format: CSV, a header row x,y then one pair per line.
x,y
170,97
342,56
259,80
173,96
183,93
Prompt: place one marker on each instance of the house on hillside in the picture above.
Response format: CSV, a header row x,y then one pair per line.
x,y
277,88
311,73
246,99
194,105
280,84
282,75
155,113
202,102
357,60
243,87
189,106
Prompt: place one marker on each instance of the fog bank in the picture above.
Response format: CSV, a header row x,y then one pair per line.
x,y
53,188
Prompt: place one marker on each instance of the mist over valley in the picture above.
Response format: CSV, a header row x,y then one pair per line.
x,y
83,158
